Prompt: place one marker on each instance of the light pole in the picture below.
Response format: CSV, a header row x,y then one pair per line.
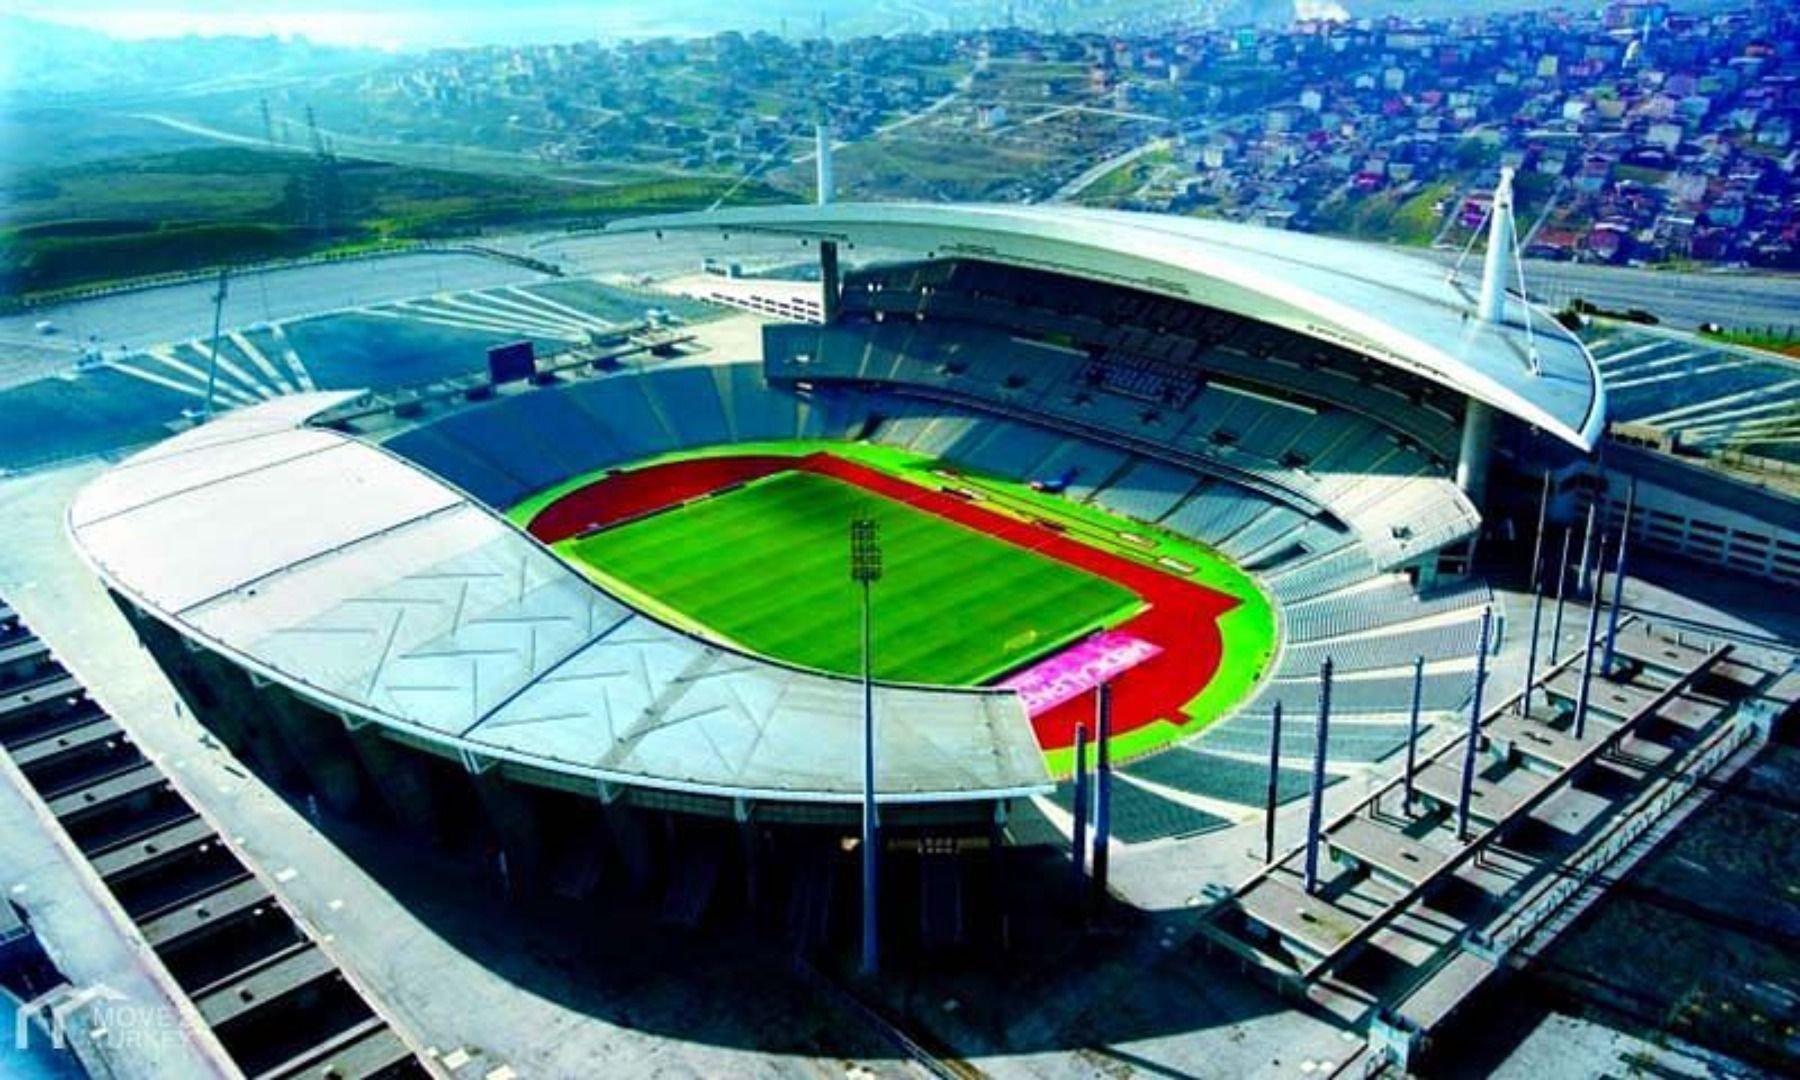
x,y
1412,730
1618,596
1472,742
212,357
1537,622
1321,746
1562,581
1273,799
865,570
1537,543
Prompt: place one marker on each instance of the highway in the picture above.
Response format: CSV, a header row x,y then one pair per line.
x,y
172,313
1681,299
136,320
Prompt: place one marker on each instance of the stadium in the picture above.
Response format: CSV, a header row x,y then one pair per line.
x,y
598,613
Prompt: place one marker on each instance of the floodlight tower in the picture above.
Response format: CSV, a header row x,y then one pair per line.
x,y
865,570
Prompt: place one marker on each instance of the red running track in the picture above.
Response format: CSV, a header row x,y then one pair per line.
x,y
637,493
1181,616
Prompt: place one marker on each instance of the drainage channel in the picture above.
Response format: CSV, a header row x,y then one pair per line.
x,y
273,998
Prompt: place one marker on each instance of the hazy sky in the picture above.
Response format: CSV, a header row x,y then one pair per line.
x,y
409,23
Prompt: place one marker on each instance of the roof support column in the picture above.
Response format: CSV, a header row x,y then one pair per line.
x,y
830,285
1078,839
1476,452
1478,418
512,816
1102,799
405,784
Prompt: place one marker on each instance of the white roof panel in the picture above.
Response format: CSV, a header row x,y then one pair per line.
x,y
227,534
1389,305
130,486
277,414
367,585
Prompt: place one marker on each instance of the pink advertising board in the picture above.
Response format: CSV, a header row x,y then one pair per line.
x,y
1079,668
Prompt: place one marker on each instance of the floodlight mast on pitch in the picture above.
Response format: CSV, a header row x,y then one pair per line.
x,y
865,570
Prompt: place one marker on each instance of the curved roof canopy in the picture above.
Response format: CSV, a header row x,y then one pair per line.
x,y
375,590
1391,306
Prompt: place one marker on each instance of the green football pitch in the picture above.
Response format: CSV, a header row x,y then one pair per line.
x,y
767,567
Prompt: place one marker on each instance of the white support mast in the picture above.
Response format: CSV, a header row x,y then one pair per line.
x,y
822,155
1476,450
1498,264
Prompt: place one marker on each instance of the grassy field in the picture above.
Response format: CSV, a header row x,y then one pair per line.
x,y
95,222
1387,216
1249,632
765,566
1782,340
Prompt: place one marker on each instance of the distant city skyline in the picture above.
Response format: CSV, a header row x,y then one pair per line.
x,y
422,24
410,24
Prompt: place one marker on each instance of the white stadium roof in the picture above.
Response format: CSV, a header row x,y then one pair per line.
x,y
377,591
1389,305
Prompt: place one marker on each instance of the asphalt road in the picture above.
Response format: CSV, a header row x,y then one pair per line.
x,y
135,320
635,255
1680,299
180,312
